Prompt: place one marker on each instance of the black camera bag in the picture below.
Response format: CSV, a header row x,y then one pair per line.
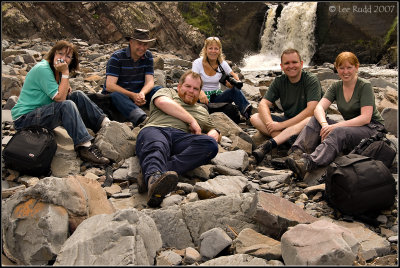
x,y
30,151
378,148
356,185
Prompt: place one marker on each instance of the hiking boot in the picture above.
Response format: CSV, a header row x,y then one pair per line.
x,y
159,185
300,166
262,150
92,154
296,154
280,163
247,112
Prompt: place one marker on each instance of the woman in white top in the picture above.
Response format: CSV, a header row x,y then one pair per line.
x,y
211,65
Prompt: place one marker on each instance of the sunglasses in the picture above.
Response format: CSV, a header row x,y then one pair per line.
x,y
212,37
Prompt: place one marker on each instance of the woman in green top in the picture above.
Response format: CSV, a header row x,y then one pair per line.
x,y
322,138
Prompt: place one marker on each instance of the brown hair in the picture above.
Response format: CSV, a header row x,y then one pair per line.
x,y
194,76
290,51
346,56
74,64
209,41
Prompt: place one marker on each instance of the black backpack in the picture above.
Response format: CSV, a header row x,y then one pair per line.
x,y
30,151
377,147
357,185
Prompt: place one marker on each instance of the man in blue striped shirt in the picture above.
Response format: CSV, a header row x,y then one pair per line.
x,y
130,77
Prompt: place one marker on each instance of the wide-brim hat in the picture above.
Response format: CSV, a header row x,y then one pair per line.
x,y
141,35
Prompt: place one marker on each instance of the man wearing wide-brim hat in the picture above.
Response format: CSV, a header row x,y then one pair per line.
x,y
130,77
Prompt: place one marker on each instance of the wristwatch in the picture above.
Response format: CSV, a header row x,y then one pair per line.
x,y
216,129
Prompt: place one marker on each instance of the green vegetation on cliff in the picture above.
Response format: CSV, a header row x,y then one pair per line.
x,y
391,35
200,15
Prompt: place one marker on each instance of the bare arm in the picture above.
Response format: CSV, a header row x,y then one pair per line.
x,y
172,108
138,98
111,86
264,111
63,87
307,112
361,120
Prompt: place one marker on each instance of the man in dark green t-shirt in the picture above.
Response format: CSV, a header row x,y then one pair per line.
x,y
299,92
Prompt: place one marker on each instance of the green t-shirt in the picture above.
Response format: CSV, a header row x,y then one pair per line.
x,y
363,95
39,89
158,118
294,97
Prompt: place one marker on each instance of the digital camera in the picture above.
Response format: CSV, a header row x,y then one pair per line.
x,y
231,80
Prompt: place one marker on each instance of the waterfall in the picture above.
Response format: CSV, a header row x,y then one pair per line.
x,y
294,28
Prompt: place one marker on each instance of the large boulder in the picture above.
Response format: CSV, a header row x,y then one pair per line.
x,y
127,237
45,214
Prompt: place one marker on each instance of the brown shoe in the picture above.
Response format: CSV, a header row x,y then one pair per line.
x,y
297,166
92,154
159,186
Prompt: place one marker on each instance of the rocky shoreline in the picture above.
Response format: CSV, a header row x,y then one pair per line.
x,y
230,212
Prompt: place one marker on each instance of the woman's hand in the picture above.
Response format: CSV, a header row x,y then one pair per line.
x,y
62,67
228,85
325,130
203,97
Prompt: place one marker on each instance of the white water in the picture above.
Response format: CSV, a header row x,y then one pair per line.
x,y
295,29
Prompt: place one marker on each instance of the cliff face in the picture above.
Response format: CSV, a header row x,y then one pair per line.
x,y
107,22
365,28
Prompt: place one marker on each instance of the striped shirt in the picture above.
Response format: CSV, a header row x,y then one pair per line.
x,y
131,74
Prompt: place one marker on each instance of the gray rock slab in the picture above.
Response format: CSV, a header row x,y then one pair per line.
x,y
236,260
212,242
168,258
220,185
319,243
371,244
172,225
257,245
390,117
116,141
127,237
33,232
276,214
227,212
234,159
6,116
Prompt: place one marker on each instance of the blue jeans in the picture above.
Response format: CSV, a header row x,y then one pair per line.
x,y
127,106
232,95
74,114
169,149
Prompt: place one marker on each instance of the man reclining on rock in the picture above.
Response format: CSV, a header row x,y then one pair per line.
x,y
171,142
299,92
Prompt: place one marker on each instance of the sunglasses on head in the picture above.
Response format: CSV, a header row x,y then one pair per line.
x,y
213,37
